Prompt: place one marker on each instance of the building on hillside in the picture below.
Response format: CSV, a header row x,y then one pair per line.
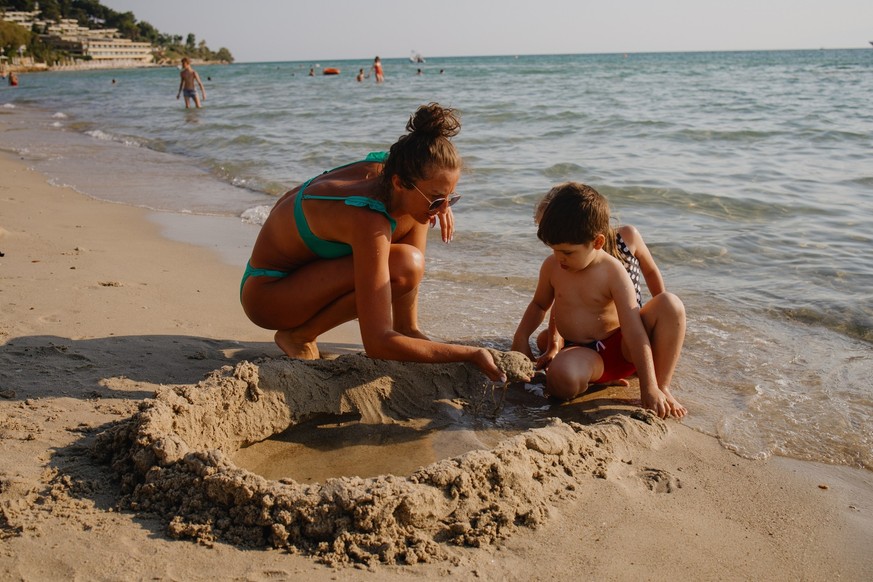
x,y
100,46
25,19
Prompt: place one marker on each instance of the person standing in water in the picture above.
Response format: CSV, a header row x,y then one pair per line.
x,y
188,83
377,70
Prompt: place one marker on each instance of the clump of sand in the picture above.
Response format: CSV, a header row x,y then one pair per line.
x,y
516,366
173,458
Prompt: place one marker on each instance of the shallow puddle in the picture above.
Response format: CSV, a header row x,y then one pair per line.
x,y
344,446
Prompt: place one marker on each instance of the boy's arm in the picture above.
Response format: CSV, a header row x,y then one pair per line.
x,y
637,340
532,318
536,310
637,246
199,82
553,343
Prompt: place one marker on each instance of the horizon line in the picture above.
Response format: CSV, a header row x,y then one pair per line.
x,y
518,55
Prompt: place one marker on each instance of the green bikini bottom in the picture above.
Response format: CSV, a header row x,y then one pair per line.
x,y
252,272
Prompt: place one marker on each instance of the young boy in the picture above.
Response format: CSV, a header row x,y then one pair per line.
x,y
188,84
607,336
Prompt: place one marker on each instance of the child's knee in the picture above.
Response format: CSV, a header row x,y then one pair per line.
x,y
675,306
542,340
564,383
670,306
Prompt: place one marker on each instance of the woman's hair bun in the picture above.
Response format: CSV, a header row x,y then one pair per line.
x,y
434,120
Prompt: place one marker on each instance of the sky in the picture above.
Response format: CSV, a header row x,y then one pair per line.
x,y
318,30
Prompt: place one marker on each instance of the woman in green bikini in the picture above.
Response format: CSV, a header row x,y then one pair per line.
x,y
350,243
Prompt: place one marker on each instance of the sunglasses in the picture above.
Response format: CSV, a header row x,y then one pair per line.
x,y
436,203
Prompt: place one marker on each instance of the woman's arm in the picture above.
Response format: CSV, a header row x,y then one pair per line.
x,y
371,249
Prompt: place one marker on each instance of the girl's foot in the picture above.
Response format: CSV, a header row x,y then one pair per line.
x,y
676,409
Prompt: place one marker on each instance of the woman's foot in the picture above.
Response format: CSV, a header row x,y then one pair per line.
x,y
296,348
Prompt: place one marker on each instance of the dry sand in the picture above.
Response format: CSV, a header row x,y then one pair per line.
x,y
129,376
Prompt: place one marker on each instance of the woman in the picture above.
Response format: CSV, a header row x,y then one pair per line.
x,y
350,243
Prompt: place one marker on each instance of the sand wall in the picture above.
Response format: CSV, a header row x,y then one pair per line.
x,y
174,460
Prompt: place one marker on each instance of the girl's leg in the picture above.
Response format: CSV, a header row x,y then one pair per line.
x,y
571,371
664,319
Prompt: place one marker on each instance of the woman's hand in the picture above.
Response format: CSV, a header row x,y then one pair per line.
x,y
447,223
483,360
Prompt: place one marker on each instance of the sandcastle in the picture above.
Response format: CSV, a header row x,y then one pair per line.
x,y
174,461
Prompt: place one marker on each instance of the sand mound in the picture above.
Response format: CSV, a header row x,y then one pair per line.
x,y
174,460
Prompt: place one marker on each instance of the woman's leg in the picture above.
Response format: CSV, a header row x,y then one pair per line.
x,y
320,296
406,275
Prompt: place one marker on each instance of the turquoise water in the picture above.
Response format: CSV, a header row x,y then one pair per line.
x,y
748,174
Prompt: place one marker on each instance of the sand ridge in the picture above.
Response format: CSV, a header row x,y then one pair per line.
x,y
173,458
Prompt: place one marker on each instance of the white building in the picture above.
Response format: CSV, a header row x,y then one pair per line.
x,y
102,46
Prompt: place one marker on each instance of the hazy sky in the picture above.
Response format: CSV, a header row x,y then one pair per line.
x,y
317,30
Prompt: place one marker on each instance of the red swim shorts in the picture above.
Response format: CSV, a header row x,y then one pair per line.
x,y
615,367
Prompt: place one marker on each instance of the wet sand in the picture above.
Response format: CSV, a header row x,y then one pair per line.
x,y
103,320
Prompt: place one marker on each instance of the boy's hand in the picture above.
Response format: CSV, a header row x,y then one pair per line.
x,y
656,401
545,359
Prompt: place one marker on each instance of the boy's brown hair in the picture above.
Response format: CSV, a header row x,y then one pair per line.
x,y
574,214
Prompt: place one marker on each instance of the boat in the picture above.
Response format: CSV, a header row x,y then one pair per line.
x,y
416,57
330,71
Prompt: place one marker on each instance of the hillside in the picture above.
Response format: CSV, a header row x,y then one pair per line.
x,y
93,15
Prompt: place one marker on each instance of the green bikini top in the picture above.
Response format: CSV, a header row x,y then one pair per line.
x,y
328,249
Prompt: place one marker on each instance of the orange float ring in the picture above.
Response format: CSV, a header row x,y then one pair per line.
x,y
331,71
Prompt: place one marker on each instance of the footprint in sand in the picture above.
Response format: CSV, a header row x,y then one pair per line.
x,y
659,481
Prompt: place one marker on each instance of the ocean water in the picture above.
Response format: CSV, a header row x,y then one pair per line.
x,y
749,175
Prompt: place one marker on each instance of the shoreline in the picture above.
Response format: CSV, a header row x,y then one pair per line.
x,y
91,328
99,66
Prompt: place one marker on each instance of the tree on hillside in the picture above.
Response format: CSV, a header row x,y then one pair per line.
x,y
13,36
92,14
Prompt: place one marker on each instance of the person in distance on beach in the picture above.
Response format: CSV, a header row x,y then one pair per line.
x,y
606,335
188,83
350,243
377,70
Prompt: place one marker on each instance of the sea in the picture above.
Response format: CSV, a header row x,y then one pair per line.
x,y
749,175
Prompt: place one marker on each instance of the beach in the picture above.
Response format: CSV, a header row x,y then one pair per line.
x,y
100,313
